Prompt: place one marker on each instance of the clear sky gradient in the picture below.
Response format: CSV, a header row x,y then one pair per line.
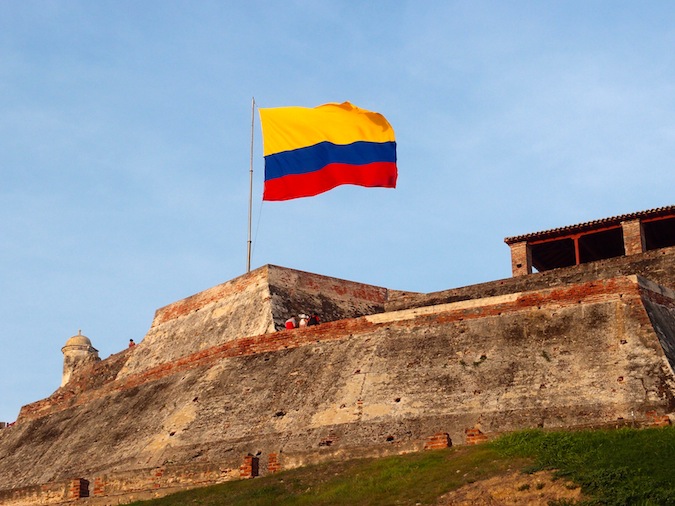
x,y
125,143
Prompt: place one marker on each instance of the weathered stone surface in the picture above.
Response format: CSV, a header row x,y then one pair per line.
x,y
256,303
209,388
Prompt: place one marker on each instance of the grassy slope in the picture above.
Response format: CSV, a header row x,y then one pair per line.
x,y
622,467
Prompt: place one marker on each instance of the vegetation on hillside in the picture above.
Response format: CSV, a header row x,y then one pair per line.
x,y
621,467
615,467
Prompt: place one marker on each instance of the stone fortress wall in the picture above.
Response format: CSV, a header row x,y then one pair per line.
x,y
215,392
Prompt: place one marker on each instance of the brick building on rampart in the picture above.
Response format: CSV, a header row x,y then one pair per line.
x,y
216,391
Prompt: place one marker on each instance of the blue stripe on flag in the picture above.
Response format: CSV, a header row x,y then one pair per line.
x,y
313,158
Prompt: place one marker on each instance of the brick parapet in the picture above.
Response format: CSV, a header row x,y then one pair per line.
x,y
655,265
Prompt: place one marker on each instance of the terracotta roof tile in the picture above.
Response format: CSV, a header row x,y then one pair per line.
x,y
589,225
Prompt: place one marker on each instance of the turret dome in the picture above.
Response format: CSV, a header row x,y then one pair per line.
x,y
78,340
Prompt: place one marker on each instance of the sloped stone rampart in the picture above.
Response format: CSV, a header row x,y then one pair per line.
x,y
240,307
581,355
253,304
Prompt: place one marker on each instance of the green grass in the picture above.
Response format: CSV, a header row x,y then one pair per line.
x,y
622,467
616,467
416,478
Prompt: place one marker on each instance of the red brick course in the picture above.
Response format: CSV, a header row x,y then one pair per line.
x,y
79,488
438,441
250,467
99,486
273,463
474,436
656,420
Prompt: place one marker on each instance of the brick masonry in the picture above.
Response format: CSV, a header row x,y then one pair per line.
x,y
633,237
274,463
438,441
475,436
521,259
250,468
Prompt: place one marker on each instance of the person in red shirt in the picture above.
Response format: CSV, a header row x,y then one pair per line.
x,y
291,323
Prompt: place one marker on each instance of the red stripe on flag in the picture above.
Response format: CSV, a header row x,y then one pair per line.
x,y
377,174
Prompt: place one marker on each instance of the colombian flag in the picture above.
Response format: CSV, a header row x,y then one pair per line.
x,y
309,151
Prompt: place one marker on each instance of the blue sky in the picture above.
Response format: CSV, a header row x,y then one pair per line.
x,y
125,145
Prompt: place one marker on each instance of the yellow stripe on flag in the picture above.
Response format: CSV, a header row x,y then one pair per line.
x,y
289,128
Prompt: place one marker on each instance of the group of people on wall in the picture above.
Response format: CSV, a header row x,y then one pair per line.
x,y
302,320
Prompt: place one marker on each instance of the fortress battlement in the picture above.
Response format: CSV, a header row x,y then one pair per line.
x,y
218,390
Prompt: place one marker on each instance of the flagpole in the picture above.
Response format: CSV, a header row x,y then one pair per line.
x,y
250,193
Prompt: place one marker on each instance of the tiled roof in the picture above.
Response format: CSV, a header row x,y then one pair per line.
x,y
589,225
